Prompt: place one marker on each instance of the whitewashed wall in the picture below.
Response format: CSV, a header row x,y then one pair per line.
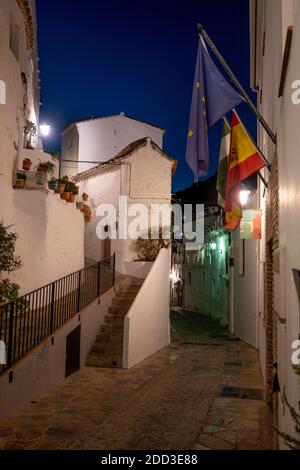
x,y
51,237
283,116
101,139
147,324
144,177
50,232
44,368
244,314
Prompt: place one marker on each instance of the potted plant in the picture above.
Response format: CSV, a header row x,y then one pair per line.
x,y
73,191
80,205
87,215
52,184
67,191
27,164
20,181
46,167
85,197
61,184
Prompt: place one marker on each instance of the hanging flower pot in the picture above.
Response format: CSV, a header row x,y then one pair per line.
x,y
85,197
61,185
20,181
40,178
27,164
88,216
80,205
46,167
52,184
65,196
60,188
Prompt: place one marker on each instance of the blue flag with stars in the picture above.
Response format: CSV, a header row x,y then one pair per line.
x,y
213,97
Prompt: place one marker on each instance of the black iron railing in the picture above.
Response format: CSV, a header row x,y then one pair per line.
x,y
29,320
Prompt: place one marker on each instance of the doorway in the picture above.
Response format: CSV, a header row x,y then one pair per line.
x,y
73,351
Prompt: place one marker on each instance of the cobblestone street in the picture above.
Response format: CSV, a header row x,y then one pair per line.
x,y
202,392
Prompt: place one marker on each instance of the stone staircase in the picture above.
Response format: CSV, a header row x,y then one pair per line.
x,y
108,348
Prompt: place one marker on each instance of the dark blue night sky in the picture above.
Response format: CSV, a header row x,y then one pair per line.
x,y
102,57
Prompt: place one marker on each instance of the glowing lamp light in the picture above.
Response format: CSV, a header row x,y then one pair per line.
x,y
244,195
174,278
222,245
45,130
213,246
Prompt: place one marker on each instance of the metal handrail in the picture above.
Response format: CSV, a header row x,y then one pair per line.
x,y
33,317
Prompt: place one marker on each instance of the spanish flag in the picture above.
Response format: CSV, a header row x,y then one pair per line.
x,y
244,160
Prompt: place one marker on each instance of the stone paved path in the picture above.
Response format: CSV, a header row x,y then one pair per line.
x,y
170,401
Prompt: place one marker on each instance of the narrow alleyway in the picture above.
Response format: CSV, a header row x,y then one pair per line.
x,y
202,392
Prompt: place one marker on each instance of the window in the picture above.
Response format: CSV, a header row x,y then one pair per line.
x,y
15,38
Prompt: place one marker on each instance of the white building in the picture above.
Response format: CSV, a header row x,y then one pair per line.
x,y
50,231
268,291
142,173
99,139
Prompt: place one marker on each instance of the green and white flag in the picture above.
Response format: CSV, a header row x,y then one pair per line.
x,y
223,163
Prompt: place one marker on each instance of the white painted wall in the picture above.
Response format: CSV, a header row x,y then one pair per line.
x,y
147,324
245,308
283,116
51,237
44,368
144,177
101,139
50,231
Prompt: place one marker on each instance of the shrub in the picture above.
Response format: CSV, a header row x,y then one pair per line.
x,y
9,262
147,248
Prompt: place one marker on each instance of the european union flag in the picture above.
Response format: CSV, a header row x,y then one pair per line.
x,y
213,97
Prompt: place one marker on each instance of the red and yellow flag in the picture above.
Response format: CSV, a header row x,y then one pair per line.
x,y
244,160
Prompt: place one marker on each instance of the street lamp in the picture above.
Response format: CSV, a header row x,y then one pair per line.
x,y
45,130
244,195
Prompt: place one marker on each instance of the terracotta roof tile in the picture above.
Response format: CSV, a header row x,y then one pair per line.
x,y
124,153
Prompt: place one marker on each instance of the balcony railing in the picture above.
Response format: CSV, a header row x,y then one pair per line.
x,y
32,318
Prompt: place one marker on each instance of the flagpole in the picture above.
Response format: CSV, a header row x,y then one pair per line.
x,y
241,89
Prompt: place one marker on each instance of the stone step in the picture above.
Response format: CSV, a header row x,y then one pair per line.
x,y
107,348
127,288
103,360
115,319
111,328
122,301
114,337
117,310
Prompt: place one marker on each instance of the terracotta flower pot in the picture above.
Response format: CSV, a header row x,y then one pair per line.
x,y
80,205
65,196
60,188
41,170
71,198
27,164
20,183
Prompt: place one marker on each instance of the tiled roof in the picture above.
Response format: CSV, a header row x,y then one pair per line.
x,y
122,154
28,23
